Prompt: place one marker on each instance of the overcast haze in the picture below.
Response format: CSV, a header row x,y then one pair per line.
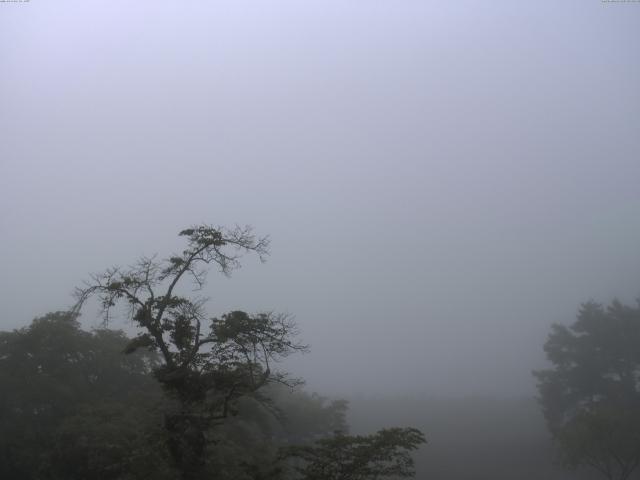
x,y
441,180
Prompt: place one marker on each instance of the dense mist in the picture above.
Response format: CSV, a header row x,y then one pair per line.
x,y
440,181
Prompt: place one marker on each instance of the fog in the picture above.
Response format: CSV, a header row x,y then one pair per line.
x,y
441,181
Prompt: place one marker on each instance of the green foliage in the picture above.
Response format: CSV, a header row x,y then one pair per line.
x,y
386,453
70,403
247,445
207,366
591,396
74,407
141,341
305,417
110,441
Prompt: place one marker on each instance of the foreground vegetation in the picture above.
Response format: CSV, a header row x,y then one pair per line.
x,y
197,398
191,400
74,406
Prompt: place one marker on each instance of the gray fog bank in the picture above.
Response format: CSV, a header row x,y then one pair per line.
x,y
441,180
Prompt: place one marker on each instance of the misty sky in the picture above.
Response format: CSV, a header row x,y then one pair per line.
x,y
441,180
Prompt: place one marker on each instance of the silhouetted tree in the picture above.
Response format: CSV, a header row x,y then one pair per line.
x,y
591,396
208,365
73,407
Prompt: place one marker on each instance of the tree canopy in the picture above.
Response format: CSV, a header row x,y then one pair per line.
x,y
207,364
386,453
76,407
189,396
73,406
591,396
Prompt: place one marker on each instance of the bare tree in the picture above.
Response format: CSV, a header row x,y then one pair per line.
x,y
208,364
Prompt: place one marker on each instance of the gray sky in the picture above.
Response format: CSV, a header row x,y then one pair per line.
x,y
441,180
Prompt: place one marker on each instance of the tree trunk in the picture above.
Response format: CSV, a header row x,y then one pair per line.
x,y
187,444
